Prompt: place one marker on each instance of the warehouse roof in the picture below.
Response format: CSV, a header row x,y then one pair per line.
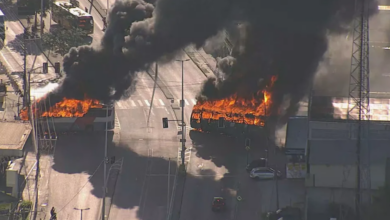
x,y
13,136
343,152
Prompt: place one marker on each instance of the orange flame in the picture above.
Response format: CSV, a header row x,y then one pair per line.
x,y
236,109
66,108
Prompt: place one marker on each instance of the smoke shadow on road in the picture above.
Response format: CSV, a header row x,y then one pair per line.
x,y
142,187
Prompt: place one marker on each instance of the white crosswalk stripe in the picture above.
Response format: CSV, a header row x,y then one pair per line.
x,y
160,103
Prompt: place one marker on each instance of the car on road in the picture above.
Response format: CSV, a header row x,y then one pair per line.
x,y
264,173
262,162
218,204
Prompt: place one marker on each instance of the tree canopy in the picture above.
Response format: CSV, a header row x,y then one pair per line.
x,y
61,40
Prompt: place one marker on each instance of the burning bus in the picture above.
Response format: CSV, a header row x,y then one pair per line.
x,y
233,114
71,115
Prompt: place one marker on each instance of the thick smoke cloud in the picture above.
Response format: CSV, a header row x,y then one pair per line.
x,y
287,39
283,38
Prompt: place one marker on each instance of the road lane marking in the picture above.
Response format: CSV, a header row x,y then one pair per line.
x,y
119,105
140,103
132,103
185,100
161,102
193,101
147,102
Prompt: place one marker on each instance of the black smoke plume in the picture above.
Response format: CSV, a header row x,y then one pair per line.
x,y
282,37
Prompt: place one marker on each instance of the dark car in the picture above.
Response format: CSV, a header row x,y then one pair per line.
x,y
218,204
262,162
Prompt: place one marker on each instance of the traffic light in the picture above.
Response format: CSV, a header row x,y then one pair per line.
x,y
221,123
165,122
112,160
57,67
247,142
45,67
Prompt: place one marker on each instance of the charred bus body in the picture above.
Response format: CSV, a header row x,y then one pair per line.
x,y
96,119
230,124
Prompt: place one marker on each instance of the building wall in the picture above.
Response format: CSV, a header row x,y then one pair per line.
x,y
339,176
318,200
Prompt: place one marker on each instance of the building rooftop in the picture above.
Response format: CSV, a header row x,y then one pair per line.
x,y
13,136
296,136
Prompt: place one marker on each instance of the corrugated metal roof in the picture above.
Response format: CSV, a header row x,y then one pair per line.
x,y
343,152
296,136
13,135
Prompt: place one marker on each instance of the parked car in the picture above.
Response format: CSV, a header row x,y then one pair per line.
x,y
262,162
264,173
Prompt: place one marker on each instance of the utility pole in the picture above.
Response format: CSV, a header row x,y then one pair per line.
x,y
154,90
108,4
359,94
183,125
42,12
105,170
277,189
25,77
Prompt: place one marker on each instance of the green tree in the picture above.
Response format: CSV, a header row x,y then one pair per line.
x,y
380,208
62,40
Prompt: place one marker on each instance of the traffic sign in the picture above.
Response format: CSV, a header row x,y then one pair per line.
x,y
247,148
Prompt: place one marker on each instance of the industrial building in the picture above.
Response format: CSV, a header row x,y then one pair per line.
x,y
327,144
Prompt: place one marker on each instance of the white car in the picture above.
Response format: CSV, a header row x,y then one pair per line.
x,y
264,173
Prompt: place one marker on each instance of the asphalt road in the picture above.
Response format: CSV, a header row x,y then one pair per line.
x,y
76,179
150,154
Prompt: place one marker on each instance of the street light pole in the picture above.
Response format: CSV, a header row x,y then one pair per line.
x,y
107,7
105,170
81,212
183,140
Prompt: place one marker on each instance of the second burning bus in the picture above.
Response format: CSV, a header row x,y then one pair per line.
x,y
69,16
